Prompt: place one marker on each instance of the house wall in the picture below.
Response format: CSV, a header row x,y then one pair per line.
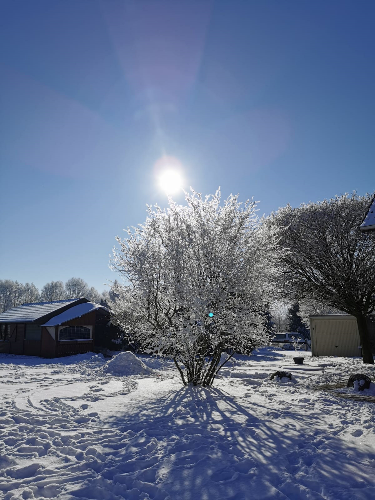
x,y
5,346
32,340
17,334
334,336
68,348
33,332
85,319
105,332
48,344
21,343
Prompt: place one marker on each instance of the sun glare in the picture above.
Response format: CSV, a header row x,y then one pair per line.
x,y
170,181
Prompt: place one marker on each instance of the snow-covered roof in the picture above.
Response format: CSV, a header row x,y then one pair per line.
x,y
331,315
28,313
369,222
72,313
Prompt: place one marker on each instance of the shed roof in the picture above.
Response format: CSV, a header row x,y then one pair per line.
x,y
38,311
74,312
331,316
369,222
337,316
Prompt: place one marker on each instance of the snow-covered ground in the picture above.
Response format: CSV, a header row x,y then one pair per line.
x,y
75,428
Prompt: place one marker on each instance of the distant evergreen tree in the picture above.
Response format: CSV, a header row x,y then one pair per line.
x,y
268,323
295,323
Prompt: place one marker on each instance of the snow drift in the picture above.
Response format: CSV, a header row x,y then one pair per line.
x,y
126,363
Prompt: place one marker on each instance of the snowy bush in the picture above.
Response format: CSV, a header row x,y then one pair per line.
x,y
198,277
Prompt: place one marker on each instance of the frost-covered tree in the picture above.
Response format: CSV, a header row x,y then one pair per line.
x,y
30,293
93,295
53,290
76,288
327,259
13,294
197,281
309,307
10,294
279,312
105,298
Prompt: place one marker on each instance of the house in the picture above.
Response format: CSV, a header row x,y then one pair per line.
x,y
53,329
337,335
369,222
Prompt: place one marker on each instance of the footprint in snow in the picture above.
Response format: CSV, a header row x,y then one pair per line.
x,y
222,475
24,472
357,433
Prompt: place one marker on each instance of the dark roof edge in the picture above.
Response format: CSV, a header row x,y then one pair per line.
x,y
339,315
47,317
372,227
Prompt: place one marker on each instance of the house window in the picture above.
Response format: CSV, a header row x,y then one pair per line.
x,y
74,333
4,332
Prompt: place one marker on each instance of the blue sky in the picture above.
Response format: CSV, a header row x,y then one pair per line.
x,y
269,99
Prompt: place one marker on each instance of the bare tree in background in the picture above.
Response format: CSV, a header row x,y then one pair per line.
x,y
326,258
75,288
54,290
93,295
13,294
30,293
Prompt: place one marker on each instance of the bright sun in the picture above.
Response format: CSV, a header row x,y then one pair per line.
x,y
170,181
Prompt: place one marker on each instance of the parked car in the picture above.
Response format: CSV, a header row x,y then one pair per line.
x,y
288,340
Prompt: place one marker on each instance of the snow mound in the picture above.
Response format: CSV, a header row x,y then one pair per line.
x,y
126,363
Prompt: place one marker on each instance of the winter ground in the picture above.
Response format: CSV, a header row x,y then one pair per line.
x,y
75,428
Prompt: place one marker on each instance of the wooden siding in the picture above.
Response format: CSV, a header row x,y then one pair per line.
x,y
69,348
48,344
85,319
5,347
17,335
32,348
33,332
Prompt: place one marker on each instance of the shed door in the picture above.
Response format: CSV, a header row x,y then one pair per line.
x,y
336,338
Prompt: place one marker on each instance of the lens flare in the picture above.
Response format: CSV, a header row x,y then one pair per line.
x,y
170,181
169,174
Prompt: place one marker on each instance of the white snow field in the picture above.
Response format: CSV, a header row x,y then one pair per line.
x,y
73,428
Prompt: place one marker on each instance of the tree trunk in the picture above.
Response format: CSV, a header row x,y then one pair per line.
x,y
211,372
180,371
364,336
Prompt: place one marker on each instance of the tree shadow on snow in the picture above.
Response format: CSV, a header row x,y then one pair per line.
x,y
210,446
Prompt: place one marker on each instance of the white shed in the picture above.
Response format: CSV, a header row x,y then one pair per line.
x,y
334,335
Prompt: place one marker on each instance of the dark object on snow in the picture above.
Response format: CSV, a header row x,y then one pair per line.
x,y
363,381
298,360
281,375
